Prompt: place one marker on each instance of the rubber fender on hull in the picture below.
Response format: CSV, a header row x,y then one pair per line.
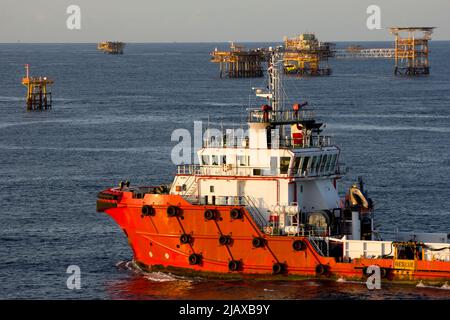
x,y
298,245
236,214
258,242
322,269
278,268
185,238
148,211
225,240
173,211
211,214
234,265
195,259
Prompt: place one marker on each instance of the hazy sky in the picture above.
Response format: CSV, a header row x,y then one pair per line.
x,y
215,21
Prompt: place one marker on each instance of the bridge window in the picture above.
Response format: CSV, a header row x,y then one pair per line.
x,y
284,164
243,160
323,163
273,165
205,160
319,163
305,164
333,163
215,160
313,164
224,159
327,164
330,166
296,164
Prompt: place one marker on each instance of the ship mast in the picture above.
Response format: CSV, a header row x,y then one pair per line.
x,y
275,81
275,73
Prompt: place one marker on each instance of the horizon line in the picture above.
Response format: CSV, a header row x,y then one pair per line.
x,y
193,42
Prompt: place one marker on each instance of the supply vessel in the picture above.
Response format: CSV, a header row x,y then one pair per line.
x,y
265,203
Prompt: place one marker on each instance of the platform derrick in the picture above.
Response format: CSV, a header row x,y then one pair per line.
x,y
411,50
238,62
305,55
39,96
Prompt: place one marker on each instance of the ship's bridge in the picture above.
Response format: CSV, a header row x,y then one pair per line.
x,y
277,143
310,164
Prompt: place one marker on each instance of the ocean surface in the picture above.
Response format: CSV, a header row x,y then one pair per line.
x,y
112,120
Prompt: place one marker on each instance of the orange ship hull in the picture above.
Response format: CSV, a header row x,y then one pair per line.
x,y
188,242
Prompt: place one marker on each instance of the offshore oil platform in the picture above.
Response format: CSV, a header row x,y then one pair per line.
x,y
411,50
238,62
305,55
39,96
111,47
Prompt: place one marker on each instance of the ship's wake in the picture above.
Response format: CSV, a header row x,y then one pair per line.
x,y
152,276
445,286
343,280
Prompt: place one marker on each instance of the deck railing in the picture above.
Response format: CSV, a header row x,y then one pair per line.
x,y
316,141
280,116
247,171
245,201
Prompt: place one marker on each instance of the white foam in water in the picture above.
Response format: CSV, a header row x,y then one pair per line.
x,y
160,277
3,98
445,286
151,276
342,280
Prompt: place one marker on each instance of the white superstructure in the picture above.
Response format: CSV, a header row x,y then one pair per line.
x,y
285,171
284,166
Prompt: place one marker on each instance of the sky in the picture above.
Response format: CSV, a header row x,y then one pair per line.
x,y
214,21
